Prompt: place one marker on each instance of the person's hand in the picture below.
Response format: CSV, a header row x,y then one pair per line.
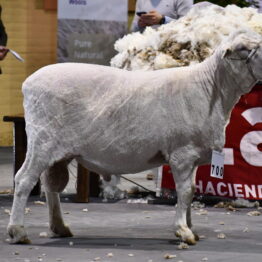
x,y
150,18
3,52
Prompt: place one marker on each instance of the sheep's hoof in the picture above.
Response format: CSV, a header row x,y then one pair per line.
x,y
196,236
190,241
18,234
186,236
60,231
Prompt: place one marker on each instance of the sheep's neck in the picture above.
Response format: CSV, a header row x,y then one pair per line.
x,y
235,83
219,80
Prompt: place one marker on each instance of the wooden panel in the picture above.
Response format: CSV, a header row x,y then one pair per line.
x,y
14,4
82,184
32,33
4,107
6,137
18,67
131,5
17,19
50,4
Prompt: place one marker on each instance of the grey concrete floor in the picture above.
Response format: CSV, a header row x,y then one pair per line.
x,y
122,232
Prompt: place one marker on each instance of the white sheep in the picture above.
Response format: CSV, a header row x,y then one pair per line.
x,y
115,121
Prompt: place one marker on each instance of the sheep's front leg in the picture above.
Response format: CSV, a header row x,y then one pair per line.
x,y
185,187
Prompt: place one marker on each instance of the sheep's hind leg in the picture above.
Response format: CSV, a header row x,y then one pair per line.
x,y
55,180
25,179
185,187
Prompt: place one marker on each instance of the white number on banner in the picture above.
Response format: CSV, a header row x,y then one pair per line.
x,y
217,165
250,141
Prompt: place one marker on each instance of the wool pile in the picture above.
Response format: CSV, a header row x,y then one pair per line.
x,y
186,41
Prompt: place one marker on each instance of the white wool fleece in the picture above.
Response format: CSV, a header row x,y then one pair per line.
x,y
189,40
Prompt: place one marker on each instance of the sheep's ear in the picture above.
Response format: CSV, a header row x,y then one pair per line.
x,y
227,52
232,49
240,44
236,51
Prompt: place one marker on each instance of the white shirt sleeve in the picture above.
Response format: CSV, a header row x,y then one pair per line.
x,y
178,8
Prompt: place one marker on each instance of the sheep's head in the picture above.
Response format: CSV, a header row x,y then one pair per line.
x,y
244,49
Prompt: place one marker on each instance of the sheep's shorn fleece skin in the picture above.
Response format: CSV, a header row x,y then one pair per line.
x,y
116,121
186,41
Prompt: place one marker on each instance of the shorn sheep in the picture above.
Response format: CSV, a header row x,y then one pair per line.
x,y
115,121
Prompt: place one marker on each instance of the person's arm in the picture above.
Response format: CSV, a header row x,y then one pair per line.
x,y
181,7
3,52
3,34
151,18
3,40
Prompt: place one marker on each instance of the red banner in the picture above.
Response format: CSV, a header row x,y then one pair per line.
x,y
243,154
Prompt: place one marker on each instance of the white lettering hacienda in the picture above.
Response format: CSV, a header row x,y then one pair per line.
x,y
228,189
